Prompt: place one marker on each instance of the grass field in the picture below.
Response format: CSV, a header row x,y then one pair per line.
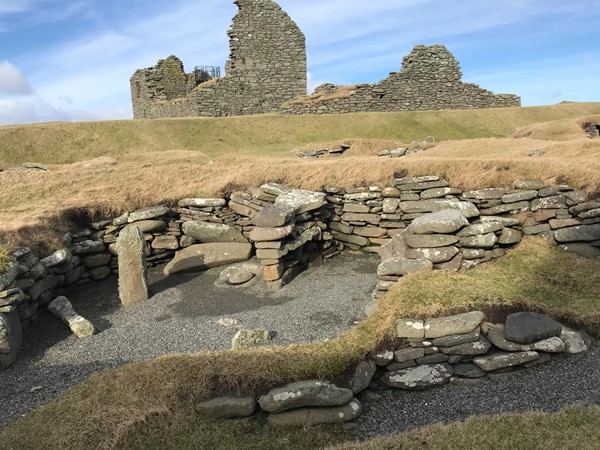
x,y
150,404
101,169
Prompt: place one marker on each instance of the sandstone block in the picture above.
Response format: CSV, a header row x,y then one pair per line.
x,y
131,247
205,256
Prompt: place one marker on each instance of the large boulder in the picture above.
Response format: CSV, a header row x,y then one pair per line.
x,y
205,256
304,394
62,308
447,221
529,327
131,248
208,232
317,416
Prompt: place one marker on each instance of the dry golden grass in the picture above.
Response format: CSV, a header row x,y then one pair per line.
x,y
575,428
557,130
150,404
41,205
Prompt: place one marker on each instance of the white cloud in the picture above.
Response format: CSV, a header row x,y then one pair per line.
x,y
12,81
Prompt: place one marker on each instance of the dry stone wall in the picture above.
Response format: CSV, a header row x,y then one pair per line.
x,y
417,223
266,67
430,79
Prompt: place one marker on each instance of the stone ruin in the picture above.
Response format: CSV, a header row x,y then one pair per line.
x,y
267,72
266,67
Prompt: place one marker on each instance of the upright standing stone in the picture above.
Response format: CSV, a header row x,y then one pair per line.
x,y
133,286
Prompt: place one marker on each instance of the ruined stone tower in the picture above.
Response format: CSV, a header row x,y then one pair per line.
x,y
266,67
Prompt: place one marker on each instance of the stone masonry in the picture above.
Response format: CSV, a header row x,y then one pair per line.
x,y
430,79
266,67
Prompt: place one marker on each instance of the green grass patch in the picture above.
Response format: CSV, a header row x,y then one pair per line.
x,y
150,404
575,428
4,261
263,135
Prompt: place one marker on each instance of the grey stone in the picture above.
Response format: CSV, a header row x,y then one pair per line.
x,y
505,208
133,284
529,327
583,250
457,339
88,247
487,194
583,233
62,308
373,219
479,229
550,345
574,341
413,180
304,394
530,184
506,221
150,226
165,243
434,358
482,241
435,255
510,236
468,370
439,193
100,273
555,202
247,339
8,276
432,206
267,234
519,196
207,232
406,354
479,347
591,214
206,256
458,324
429,240
495,334
409,328
97,260
56,258
147,213
202,202
504,360
356,208
362,376
274,216
11,338
419,377
318,416
402,266
300,201
227,407
446,221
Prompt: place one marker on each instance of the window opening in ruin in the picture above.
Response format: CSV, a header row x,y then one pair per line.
x,y
380,96
205,73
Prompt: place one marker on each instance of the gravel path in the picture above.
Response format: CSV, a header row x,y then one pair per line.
x,y
566,380
181,316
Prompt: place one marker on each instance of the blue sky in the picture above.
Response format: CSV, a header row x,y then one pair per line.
x,y
71,60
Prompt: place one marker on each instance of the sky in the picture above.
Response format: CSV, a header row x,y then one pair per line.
x,y
72,59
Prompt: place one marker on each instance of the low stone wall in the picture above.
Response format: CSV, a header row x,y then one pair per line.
x,y
460,349
418,223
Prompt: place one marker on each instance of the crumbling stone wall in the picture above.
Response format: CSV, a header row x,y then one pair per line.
x,y
430,79
266,67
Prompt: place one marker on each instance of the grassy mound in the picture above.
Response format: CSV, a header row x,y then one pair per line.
x,y
150,404
574,428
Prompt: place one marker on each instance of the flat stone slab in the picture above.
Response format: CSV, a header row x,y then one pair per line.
x,y
504,360
457,339
147,213
479,241
274,216
301,201
479,347
529,327
444,222
419,377
269,234
435,255
468,370
205,256
318,416
458,324
582,233
304,394
403,266
410,328
480,229
207,232
133,280
202,202
429,240
227,407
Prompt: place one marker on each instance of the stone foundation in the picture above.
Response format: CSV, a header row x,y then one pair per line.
x,y
417,223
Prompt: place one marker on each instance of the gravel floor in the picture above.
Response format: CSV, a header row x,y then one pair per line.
x,y
566,380
181,316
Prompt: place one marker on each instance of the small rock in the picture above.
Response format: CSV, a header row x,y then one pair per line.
x,y
245,339
227,407
316,416
504,360
419,377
